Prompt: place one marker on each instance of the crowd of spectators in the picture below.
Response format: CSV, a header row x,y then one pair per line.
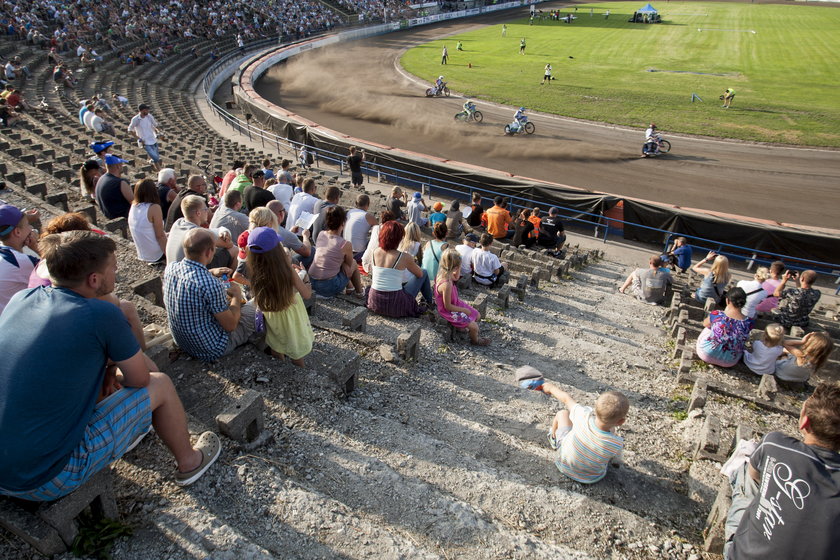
x,y
158,25
247,262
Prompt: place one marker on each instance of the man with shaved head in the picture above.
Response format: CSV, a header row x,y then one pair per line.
x,y
207,320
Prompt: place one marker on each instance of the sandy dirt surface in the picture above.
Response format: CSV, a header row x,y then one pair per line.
x,y
358,88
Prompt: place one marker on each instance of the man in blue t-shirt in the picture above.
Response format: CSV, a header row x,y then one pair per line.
x,y
76,391
786,498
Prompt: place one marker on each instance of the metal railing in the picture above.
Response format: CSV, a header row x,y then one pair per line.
x,y
427,185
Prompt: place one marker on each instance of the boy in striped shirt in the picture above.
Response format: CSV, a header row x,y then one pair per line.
x,y
584,438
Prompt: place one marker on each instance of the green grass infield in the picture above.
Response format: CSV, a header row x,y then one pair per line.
x,y
782,60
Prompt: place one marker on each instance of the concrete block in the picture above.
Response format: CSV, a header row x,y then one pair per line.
x,y
408,343
151,289
64,174
713,533
18,178
97,492
685,361
521,286
159,354
243,420
356,319
30,528
534,278
679,343
743,431
480,304
45,166
90,212
767,387
464,283
698,395
710,305
797,332
118,225
28,158
503,297
58,199
710,435
343,372
38,189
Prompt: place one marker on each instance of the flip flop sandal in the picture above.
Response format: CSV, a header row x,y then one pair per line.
x,y
552,441
210,446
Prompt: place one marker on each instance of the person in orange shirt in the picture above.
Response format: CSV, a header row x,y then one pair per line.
x,y
496,220
536,220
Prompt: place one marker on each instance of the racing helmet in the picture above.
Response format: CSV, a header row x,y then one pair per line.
x,y
440,77
652,125
521,109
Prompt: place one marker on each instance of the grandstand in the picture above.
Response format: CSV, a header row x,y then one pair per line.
x,y
378,447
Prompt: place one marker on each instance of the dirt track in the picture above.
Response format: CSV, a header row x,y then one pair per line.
x,y
357,88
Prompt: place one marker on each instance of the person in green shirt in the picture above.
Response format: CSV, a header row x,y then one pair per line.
x,y
728,96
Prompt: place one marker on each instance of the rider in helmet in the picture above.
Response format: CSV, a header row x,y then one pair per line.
x,y
519,117
651,146
439,84
469,107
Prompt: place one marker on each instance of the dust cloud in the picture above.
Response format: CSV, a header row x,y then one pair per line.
x,y
389,109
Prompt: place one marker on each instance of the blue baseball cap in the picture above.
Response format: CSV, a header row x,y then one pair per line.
x,y
111,159
263,240
418,195
99,147
10,217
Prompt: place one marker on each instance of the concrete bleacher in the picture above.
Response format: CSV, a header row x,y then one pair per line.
x,y
398,409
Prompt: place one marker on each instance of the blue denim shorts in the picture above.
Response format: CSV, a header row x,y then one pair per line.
x,y
116,423
330,287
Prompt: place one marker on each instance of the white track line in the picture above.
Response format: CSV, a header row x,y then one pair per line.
x,y
720,29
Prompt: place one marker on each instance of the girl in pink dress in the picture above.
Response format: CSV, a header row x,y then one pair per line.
x,y
449,305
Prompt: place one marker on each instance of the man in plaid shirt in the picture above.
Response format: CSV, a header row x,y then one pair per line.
x,y
202,321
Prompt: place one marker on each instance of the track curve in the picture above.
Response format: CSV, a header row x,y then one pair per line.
x,y
358,88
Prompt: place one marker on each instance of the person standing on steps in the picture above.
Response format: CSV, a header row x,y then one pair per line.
x,y
145,127
444,55
522,46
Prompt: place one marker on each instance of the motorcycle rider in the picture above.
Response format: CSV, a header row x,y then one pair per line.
x,y
439,85
469,107
520,118
651,136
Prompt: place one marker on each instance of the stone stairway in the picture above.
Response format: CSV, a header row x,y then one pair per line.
x,y
441,458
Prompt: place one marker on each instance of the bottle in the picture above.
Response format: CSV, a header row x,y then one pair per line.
x,y
225,282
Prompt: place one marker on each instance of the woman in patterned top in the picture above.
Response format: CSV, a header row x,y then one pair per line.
x,y
726,332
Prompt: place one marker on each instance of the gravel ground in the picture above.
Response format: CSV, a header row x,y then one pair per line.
x,y
442,458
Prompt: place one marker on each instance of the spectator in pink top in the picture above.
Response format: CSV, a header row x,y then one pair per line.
x,y
777,269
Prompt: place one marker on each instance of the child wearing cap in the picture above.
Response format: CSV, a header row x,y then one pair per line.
x,y
437,215
16,234
279,291
415,209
